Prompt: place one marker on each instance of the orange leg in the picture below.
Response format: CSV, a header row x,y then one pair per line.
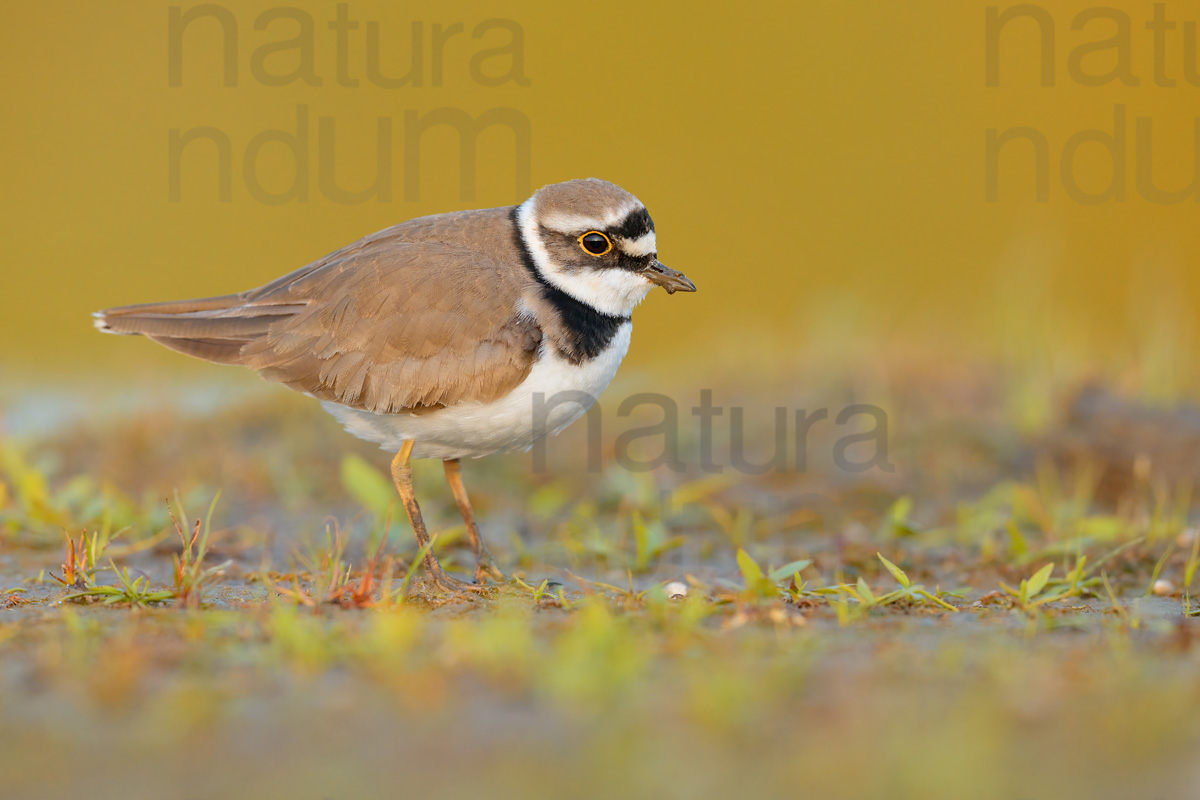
x,y
402,476
485,565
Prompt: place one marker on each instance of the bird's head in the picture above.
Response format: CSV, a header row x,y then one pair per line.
x,y
596,242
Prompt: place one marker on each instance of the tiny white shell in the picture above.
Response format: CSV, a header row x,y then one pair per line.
x,y
676,590
1163,587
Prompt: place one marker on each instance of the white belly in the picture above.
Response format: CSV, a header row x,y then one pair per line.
x,y
555,394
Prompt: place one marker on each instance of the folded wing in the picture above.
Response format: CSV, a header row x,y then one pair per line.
x,y
385,325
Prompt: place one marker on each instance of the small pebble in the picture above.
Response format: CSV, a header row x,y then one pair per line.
x,y
677,590
1163,587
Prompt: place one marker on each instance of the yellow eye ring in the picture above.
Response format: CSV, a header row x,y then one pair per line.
x,y
595,239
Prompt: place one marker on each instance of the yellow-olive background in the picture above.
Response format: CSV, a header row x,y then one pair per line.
x,y
817,168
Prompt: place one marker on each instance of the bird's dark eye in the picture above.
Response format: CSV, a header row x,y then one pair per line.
x,y
595,243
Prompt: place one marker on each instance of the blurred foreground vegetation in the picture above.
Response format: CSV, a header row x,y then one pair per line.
x,y
1007,613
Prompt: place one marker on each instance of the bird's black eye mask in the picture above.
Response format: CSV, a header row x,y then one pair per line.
x,y
592,249
601,247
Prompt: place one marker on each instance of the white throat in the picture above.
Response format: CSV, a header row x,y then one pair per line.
x,y
610,291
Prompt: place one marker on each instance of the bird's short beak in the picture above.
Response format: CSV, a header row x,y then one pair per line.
x,y
671,280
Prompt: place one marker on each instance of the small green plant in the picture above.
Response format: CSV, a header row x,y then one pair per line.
x,y
191,577
763,585
906,591
134,591
335,580
329,574
1029,595
1078,581
79,569
537,592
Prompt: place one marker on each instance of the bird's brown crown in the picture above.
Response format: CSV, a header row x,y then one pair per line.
x,y
589,199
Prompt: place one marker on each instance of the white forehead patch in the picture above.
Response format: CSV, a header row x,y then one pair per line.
x,y
573,223
644,245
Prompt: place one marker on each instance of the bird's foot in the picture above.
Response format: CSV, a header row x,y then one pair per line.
x,y
486,568
445,582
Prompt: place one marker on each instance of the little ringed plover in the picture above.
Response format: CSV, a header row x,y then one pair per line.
x,y
434,337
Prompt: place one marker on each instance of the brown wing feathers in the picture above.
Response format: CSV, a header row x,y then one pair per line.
x,y
385,324
213,328
427,325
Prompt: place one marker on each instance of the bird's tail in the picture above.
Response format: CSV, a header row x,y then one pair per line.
x,y
211,328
